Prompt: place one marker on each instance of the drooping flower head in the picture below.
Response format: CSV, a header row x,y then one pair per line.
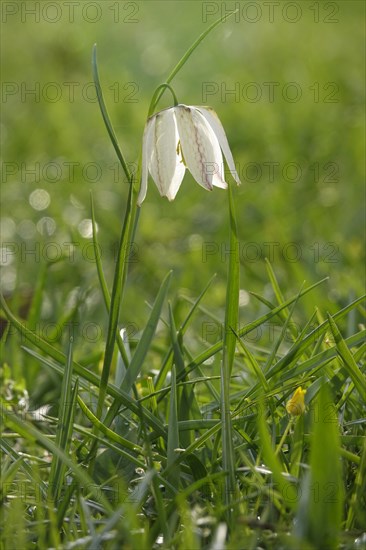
x,y
184,137
296,405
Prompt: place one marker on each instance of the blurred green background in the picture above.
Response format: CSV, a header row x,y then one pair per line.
x,y
287,82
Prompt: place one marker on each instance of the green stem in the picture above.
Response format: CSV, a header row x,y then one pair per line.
x,y
231,326
160,90
285,433
120,273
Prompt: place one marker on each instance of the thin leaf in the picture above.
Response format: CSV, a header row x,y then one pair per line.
x,y
357,511
91,378
173,433
320,359
66,445
142,348
98,258
213,350
105,115
116,297
185,399
276,287
282,335
28,431
168,359
64,405
123,250
144,343
298,348
102,281
112,435
64,426
285,487
320,511
189,52
350,364
256,367
30,473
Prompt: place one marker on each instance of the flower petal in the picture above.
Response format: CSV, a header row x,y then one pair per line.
x,y
147,144
200,147
217,127
166,164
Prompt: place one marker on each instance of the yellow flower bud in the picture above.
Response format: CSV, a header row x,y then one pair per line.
x,y
296,405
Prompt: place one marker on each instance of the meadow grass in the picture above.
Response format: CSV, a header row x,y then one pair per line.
x,y
145,382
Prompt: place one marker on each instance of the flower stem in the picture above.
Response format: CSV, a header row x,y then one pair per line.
x,y
231,326
120,273
284,435
159,92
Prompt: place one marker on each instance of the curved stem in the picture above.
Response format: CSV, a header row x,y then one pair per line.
x,y
159,92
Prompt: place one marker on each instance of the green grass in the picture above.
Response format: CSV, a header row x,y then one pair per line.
x,y
173,432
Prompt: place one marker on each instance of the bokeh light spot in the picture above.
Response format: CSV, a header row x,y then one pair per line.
x,y
7,228
26,229
39,199
46,226
85,228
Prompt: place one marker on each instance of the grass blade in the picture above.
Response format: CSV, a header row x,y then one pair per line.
x,y
91,378
277,343
252,360
350,364
272,460
66,445
124,245
173,434
275,286
102,281
112,435
28,431
299,348
116,297
64,426
357,510
143,346
98,259
213,350
163,371
320,511
185,400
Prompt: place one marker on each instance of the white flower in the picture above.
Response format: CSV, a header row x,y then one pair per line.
x,y
184,137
